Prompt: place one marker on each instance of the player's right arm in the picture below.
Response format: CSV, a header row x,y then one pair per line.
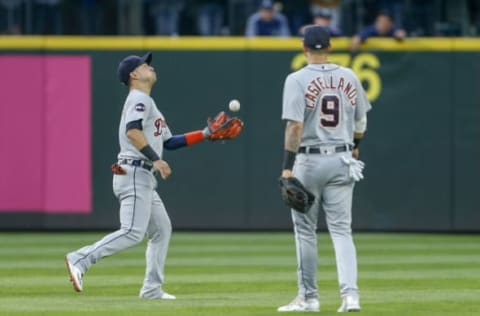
x,y
138,139
293,113
135,115
359,132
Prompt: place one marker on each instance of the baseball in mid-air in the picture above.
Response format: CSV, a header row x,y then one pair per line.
x,y
234,105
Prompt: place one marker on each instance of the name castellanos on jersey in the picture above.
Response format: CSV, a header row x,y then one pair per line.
x,y
321,83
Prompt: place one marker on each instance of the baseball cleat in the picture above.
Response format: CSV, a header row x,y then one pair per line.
x,y
161,296
300,304
166,296
350,304
75,275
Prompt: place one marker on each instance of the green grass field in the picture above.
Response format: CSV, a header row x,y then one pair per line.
x,y
241,274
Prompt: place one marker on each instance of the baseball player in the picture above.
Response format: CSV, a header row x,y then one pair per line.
x,y
326,109
143,134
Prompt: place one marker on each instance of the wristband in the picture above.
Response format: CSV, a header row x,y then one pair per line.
x,y
288,160
148,152
356,142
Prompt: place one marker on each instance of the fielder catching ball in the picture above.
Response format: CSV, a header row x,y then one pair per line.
x,y
143,135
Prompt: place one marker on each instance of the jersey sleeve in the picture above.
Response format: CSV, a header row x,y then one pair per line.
x,y
362,105
293,100
137,109
166,134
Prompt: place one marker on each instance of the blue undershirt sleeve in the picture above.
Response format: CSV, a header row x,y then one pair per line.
x,y
175,142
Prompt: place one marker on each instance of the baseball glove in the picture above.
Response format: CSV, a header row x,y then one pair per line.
x,y
223,127
295,195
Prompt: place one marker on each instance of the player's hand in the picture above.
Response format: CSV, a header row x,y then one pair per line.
x,y
163,167
287,173
356,153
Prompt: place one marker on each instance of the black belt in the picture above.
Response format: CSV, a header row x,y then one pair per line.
x,y
318,150
136,163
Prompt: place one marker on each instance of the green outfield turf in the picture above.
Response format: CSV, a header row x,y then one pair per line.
x,y
241,274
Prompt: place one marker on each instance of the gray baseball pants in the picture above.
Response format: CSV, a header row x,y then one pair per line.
x,y
141,213
327,177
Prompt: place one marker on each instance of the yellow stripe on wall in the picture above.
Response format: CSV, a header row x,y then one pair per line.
x,y
223,43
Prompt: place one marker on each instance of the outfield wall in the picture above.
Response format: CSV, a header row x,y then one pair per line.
x,y
421,148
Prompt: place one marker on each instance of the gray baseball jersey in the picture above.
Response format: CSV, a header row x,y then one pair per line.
x,y
140,105
142,211
328,99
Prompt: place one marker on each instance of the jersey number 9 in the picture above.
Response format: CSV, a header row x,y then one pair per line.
x,y
330,106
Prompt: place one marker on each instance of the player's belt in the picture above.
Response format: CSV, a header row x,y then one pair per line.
x,y
136,163
324,149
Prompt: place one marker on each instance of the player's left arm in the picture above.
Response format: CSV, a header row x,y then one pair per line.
x,y
182,140
222,127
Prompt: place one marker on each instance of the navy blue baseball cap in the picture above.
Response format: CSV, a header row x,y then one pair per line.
x,y
316,37
323,13
128,64
266,4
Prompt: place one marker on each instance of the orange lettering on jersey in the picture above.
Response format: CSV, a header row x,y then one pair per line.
x,y
348,88
331,83
326,84
311,100
313,90
316,85
353,97
321,83
352,94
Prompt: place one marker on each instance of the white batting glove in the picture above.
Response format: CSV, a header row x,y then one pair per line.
x,y
355,167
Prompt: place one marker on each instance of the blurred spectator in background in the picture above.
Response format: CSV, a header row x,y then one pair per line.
x,y
48,17
324,18
166,14
210,17
422,17
267,22
130,17
396,10
333,6
89,10
228,17
297,13
10,16
383,27
474,12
